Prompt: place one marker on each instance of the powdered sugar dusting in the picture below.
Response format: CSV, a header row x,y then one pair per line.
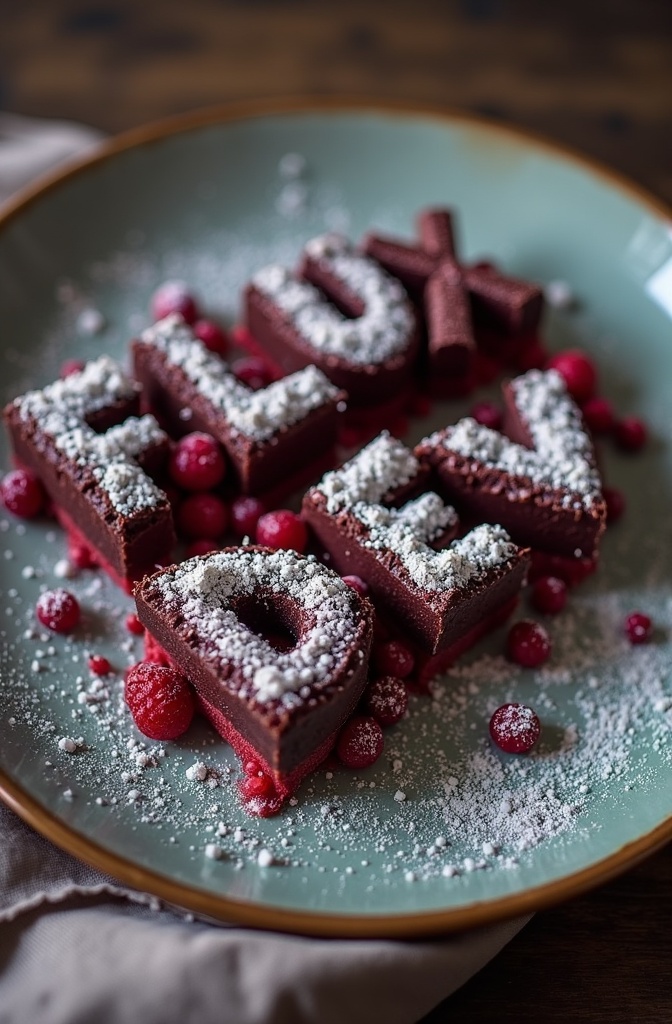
x,y
256,414
385,463
382,331
203,590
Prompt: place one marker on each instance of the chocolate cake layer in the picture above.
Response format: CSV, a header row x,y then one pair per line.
x,y
273,640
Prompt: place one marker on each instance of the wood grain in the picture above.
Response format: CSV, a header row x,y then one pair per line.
x,y
596,75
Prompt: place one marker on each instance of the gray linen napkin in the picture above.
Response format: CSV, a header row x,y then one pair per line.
x,y
77,947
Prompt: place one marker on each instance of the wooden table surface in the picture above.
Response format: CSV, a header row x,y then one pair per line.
x,y
595,74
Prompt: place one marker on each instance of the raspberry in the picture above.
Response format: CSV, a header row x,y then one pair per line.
x,y
22,494
174,297
392,658
630,434
160,700
200,547
212,336
515,728
638,628
197,462
549,594
245,514
386,698
99,665
58,610
202,516
615,500
133,624
358,584
253,372
487,414
578,371
598,415
360,743
282,529
71,366
528,644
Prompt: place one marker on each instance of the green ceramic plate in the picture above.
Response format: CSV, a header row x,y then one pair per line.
x,y
444,831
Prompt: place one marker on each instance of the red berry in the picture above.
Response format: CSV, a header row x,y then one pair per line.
x,y
256,784
360,743
133,624
392,658
515,728
615,501
598,415
578,371
282,529
572,570
202,516
487,414
630,434
358,584
212,336
22,494
71,366
549,594
200,547
638,627
252,371
58,610
528,644
245,514
160,700
532,357
197,462
386,698
174,297
99,665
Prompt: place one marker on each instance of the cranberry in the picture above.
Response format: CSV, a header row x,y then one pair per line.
x,y
630,434
71,366
578,371
549,594
598,415
202,516
615,501
212,336
386,698
487,414
252,371
133,624
515,728
256,782
200,547
360,743
528,644
572,570
638,628
245,514
160,700
197,462
392,658
358,584
22,494
174,297
282,529
99,665
58,610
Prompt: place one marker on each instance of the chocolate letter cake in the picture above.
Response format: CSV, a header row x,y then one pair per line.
x,y
268,435
541,481
276,646
80,437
